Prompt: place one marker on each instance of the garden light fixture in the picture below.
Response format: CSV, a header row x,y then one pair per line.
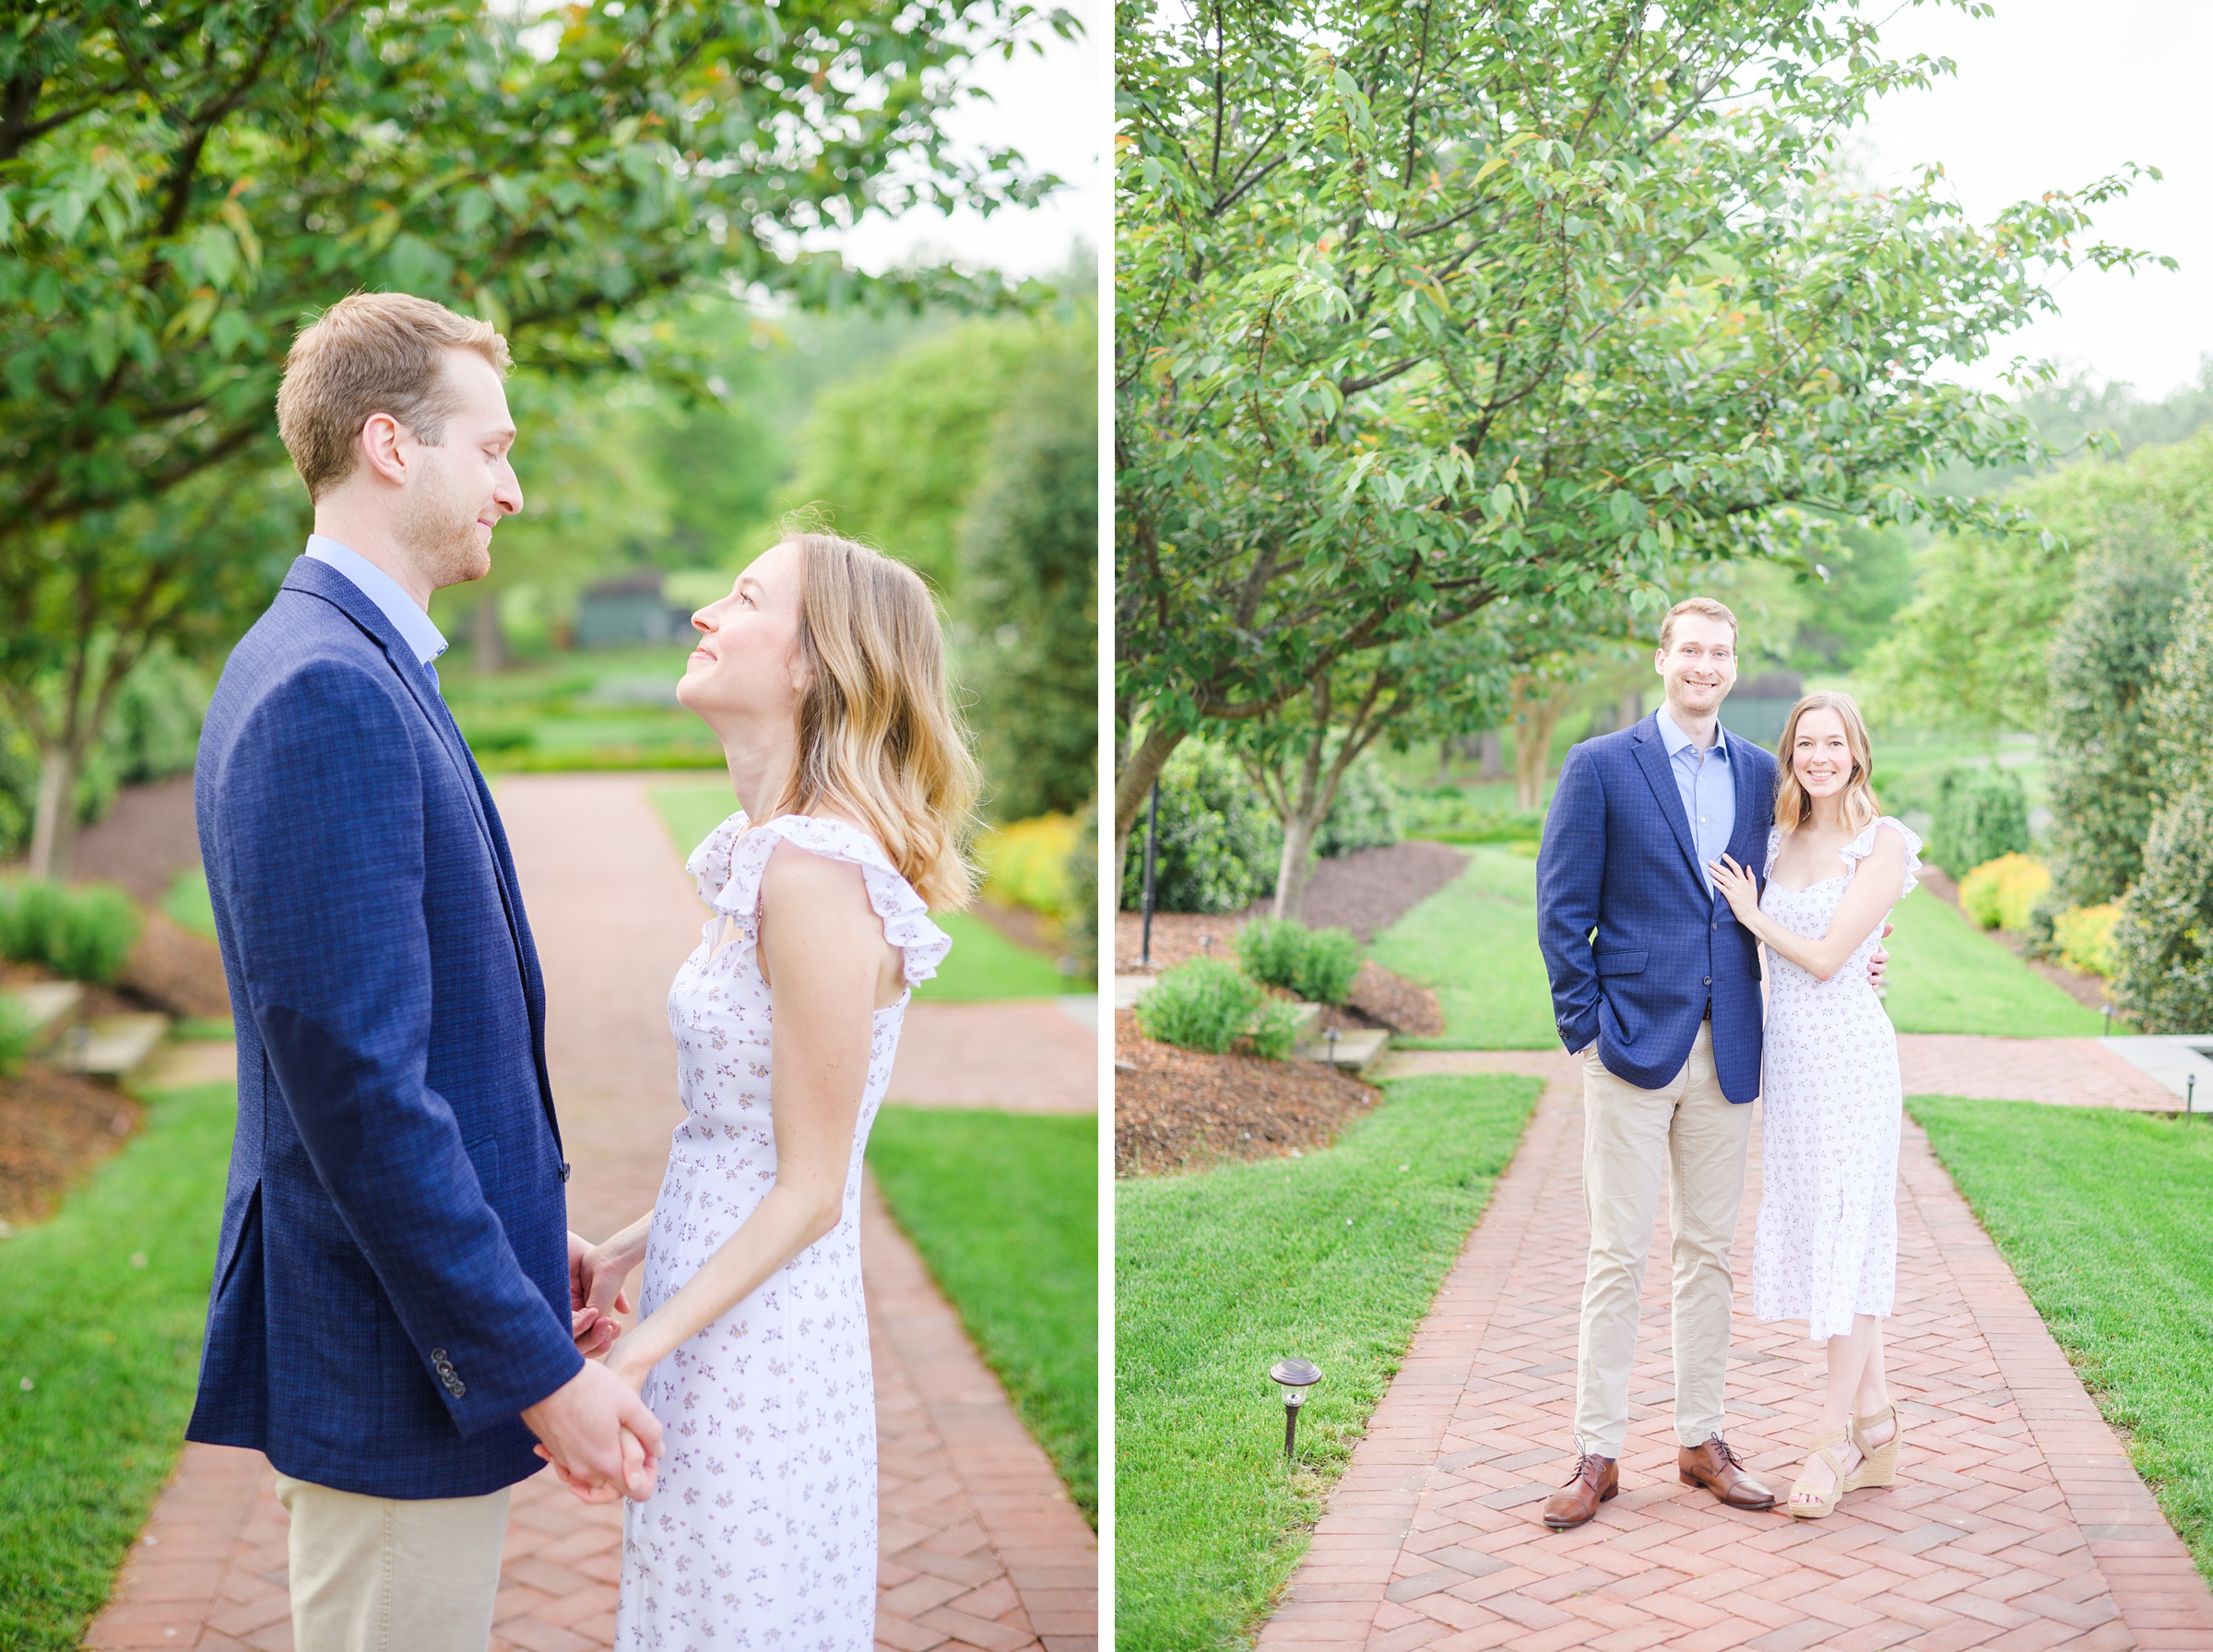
x,y
1144,958
1295,1377
2189,1093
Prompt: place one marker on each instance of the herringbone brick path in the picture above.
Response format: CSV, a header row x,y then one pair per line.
x,y
981,1549
2019,1521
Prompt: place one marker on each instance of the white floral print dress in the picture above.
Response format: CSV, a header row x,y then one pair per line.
x,y
1826,1246
760,1532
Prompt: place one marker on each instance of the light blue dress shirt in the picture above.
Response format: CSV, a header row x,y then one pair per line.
x,y
1707,785
413,625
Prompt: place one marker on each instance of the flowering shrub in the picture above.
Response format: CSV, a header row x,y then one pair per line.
x,y
1998,893
2085,938
1026,864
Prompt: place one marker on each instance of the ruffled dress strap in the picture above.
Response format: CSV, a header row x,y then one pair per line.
x,y
710,863
1862,847
1774,842
903,912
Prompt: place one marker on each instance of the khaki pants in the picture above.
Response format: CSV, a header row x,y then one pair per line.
x,y
1627,1133
392,1575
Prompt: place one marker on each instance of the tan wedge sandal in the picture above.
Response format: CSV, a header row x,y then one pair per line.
x,y
1879,1464
1829,1448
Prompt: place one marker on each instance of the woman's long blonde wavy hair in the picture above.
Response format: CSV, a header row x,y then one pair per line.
x,y
1792,804
879,739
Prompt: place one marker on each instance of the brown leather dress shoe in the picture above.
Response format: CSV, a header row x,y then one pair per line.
x,y
1596,1479
1715,1467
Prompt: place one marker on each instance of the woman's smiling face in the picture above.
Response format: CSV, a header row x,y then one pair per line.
x,y
748,663
1820,752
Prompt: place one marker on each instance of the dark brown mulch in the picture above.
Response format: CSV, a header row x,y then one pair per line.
x,y
54,1126
1175,937
148,839
177,972
1389,1000
1181,1110
1369,889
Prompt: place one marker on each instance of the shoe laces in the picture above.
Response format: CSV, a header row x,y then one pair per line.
x,y
1583,1461
1722,1449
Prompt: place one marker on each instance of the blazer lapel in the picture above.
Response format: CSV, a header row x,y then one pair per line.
x,y
1651,757
1745,845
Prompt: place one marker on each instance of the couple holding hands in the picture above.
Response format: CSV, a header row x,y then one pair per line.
x,y
401,1319
1673,852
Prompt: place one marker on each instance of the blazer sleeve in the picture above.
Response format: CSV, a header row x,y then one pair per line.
x,y
325,868
1571,871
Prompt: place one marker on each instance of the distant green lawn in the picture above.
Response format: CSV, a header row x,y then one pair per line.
x,y
1333,1258
187,903
1476,944
983,963
99,1358
1004,1207
2102,1216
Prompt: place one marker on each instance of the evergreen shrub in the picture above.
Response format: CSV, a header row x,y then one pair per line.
x,y
2164,943
1365,814
17,1033
1274,1029
82,935
2103,750
1320,965
1218,844
2000,893
1980,815
1202,1004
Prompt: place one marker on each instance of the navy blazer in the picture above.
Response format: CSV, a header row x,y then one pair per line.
x,y
392,1285
1635,937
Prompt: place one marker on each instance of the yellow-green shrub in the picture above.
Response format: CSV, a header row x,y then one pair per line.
x,y
2086,937
1026,864
1998,893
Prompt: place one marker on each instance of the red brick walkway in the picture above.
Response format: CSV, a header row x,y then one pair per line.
x,y
2019,1521
981,1548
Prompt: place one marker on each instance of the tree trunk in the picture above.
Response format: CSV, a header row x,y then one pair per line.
x,y
1130,789
53,833
1536,715
1494,757
485,636
1293,870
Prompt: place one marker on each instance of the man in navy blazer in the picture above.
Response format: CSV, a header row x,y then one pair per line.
x,y
1657,987
391,1321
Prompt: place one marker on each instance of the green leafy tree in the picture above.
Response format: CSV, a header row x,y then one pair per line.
x,y
1419,309
1029,588
1973,649
2164,943
2101,744
180,187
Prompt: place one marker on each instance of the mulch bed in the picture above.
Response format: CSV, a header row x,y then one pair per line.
x,y
1180,1110
1388,1000
54,1128
177,972
149,836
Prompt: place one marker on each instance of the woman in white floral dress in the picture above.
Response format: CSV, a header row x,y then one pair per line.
x,y
1827,1245
822,673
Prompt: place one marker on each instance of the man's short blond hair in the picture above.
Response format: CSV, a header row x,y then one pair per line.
x,y
372,352
1705,605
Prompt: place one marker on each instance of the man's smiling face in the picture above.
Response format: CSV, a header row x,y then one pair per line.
x,y
1699,665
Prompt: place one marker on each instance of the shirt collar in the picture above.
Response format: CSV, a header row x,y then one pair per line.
x,y
413,625
1678,742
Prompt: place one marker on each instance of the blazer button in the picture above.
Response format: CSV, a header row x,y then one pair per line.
x,y
1708,982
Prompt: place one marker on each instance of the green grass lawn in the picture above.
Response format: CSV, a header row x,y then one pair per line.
x,y
99,1357
1004,1207
187,905
983,963
2102,1216
597,708
1475,943
1948,976
1333,1257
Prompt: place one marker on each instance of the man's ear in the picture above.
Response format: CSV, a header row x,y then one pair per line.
x,y
379,443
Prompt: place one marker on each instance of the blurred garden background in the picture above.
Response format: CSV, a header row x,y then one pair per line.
x,y
751,263
1434,390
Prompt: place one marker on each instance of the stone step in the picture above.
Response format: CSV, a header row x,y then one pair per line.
x,y
1128,989
50,1003
109,1046
1352,1050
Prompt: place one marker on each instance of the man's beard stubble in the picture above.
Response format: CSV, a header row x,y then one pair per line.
x,y
436,524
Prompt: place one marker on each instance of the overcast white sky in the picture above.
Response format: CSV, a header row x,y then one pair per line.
x,y
2051,94
1053,109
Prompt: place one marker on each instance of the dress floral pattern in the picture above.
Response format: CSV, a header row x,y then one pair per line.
x,y
1826,1246
760,1532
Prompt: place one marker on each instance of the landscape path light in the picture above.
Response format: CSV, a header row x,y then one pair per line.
x,y
1294,1376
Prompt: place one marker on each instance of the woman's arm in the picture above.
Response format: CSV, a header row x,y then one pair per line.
x,y
1872,892
821,949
